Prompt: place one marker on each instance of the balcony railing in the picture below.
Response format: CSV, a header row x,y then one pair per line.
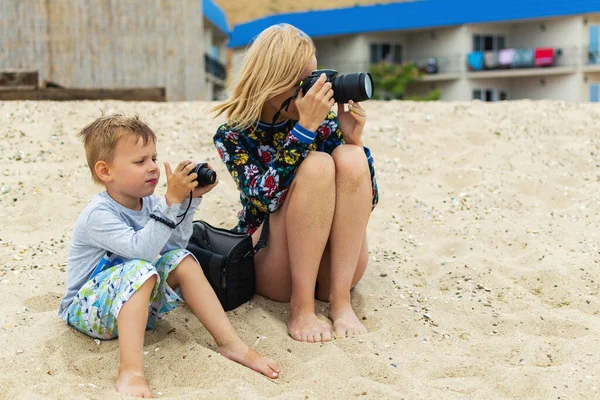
x,y
432,65
214,67
518,58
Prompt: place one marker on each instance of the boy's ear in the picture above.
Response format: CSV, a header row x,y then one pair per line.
x,y
102,171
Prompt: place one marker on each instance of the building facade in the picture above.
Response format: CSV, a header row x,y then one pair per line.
x,y
118,44
468,50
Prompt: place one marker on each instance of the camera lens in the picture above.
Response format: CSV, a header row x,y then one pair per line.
x,y
356,87
206,176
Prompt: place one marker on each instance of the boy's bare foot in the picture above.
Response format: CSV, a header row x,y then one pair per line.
x,y
345,321
133,383
307,327
242,354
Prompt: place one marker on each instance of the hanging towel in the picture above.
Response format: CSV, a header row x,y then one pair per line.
x,y
506,57
491,59
475,61
544,57
523,58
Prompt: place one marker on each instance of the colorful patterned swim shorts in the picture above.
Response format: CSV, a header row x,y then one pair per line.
x,y
96,306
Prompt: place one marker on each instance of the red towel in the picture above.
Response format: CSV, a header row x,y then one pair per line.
x,y
544,57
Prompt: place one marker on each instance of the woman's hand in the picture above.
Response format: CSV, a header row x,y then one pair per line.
x,y
315,105
352,122
180,182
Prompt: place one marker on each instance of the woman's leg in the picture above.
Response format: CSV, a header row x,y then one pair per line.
x,y
324,278
286,270
353,199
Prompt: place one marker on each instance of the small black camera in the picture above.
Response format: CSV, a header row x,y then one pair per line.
x,y
206,176
356,87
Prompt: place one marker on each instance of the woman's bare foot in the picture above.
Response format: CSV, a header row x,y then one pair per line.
x,y
345,321
307,327
242,354
133,383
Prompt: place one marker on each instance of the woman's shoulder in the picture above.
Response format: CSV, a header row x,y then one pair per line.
x,y
227,131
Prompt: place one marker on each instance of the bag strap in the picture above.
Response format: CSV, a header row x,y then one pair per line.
x,y
264,235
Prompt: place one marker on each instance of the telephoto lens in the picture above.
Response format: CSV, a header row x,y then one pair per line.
x,y
206,176
356,87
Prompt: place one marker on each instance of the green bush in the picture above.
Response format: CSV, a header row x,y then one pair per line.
x,y
391,81
434,95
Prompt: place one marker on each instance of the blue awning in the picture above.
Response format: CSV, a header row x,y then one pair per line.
x,y
418,14
215,15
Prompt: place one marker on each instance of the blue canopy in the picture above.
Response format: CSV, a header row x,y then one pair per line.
x,y
419,14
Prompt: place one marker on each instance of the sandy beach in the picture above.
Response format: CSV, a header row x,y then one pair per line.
x,y
483,280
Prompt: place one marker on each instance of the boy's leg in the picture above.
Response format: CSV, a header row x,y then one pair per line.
x,y
115,303
132,321
202,300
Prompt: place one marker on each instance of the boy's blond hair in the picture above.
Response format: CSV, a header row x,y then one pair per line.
x,y
100,138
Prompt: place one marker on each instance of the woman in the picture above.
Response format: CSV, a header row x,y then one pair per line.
x,y
313,178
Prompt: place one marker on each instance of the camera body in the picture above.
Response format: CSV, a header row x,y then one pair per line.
x,y
206,176
356,87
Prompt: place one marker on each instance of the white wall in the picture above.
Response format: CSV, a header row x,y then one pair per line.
x,y
557,87
343,53
557,32
448,45
435,42
456,90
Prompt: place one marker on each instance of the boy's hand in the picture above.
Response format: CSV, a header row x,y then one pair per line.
x,y
200,191
179,182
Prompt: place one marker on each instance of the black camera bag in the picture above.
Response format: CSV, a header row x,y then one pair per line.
x,y
227,259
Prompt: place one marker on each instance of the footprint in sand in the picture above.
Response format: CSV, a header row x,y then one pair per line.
x,y
43,303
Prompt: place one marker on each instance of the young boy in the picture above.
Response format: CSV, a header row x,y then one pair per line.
x,y
116,286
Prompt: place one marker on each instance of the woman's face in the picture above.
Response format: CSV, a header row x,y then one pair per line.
x,y
276,102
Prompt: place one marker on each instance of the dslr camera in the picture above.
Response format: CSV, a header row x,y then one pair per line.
x,y
206,176
356,87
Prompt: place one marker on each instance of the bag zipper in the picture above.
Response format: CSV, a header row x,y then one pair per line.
x,y
223,277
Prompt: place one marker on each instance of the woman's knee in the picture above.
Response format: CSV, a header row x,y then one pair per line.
x,y
317,167
351,164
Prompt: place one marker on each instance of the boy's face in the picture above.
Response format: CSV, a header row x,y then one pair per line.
x,y
134,172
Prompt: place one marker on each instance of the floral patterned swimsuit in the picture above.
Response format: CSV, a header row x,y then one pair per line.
x,y
263,162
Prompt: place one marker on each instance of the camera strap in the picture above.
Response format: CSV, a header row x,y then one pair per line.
x,y
186,210
285,105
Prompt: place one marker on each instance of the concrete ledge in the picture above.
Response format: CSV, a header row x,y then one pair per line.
x,y
133,94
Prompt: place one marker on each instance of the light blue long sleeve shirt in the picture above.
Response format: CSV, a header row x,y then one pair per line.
x,y
106,226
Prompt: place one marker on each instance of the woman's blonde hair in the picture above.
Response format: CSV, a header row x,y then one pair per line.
x,y
273,64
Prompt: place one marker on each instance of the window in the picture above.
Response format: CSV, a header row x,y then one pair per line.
x,y
500,43
594,50
490,95
388,52
488,42
594,92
